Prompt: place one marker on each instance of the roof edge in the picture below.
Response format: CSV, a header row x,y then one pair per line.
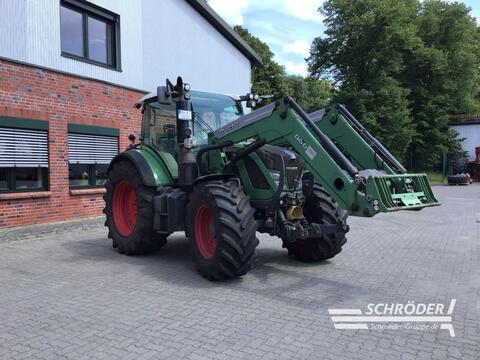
x,y
464,123
226,30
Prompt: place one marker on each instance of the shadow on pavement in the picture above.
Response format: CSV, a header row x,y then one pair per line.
x,y
274,275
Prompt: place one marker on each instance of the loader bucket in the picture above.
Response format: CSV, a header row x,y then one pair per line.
x,y
401,192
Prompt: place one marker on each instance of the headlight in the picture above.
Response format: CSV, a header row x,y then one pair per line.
x,y
275,176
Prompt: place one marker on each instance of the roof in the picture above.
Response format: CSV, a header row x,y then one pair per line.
x,y
464,123
464,119
153,97
218,23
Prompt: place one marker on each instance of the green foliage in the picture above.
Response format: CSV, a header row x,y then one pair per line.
x,y
270,78
435,178
311,94
364,48
402,67
443,76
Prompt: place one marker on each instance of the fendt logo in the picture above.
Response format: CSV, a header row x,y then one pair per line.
x,y
308,149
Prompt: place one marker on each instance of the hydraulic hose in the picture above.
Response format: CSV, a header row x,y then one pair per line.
x,y
208,148
247,150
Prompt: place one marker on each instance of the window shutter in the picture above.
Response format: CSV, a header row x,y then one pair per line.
x,y
91,149
23,148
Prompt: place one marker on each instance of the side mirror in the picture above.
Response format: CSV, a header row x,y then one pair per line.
x,y
163,95
131,138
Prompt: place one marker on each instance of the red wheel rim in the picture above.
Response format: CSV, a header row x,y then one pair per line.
x,y
124,208
205,232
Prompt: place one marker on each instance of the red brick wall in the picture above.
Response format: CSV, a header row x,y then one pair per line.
x,y
32,93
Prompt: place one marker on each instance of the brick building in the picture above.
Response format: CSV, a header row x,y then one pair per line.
x,y
70,74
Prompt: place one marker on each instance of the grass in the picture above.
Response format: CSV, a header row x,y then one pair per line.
x,y
435,178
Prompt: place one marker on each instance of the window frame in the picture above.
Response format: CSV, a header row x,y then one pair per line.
x,y
92,181
91,130
26,124
12,180
87,10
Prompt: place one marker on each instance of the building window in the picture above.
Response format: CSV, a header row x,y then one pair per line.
x,y
89,157
23,159
89,33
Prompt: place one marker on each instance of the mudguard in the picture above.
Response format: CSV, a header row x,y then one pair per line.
x,y
149,165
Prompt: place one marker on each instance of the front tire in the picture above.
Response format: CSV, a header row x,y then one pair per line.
x,y
320,208
222,229
129,211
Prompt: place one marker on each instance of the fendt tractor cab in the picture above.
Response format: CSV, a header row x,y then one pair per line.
x,y
205,167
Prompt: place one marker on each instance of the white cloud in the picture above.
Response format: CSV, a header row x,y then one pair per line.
x,y
273,40
268,27
300,47
296,69
304,9
230,11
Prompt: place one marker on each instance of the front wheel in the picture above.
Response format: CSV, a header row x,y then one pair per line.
x,y
222,229
320,208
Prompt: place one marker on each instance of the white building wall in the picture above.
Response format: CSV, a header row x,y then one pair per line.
x,y
151,48
178,41
471,133
13,42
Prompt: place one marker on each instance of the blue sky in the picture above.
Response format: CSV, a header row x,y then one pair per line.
x,y
287,26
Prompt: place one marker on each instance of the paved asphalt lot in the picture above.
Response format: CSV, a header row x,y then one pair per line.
x,y
65,293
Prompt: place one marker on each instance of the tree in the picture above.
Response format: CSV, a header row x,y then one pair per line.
x,y
402,67
363,50
268,78
311,94
443,77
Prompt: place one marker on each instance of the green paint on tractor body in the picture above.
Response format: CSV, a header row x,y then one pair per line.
x,y
163,172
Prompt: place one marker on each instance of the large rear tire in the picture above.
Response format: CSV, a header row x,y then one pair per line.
x,y
129,211
457,164
320,208
222,229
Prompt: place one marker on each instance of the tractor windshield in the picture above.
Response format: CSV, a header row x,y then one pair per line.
x,y
212,111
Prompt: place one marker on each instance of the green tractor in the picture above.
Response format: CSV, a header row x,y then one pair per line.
x,y
205,167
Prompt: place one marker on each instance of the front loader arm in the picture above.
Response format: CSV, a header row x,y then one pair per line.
x,y
279,123
284,123
363,150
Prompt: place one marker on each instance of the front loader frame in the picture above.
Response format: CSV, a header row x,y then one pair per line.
x,y
284,123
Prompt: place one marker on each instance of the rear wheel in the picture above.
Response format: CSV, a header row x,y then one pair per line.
x,y
320,208
222,230
129,211
458,166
